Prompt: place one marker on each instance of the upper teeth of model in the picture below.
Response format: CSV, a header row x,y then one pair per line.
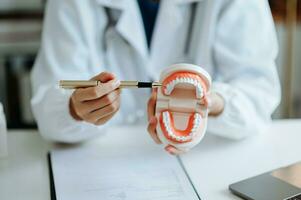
x,y
172,131
171,85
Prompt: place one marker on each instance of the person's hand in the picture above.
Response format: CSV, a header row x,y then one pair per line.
x,y
98,104
153,124
213,101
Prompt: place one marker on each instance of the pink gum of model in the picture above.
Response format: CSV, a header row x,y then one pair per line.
x,y
180,111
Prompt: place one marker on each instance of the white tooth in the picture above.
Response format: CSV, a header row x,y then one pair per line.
x,y
168,90
195,83
169,87
164,115
172,87
167,119
199,92
166,125
196,119
174,82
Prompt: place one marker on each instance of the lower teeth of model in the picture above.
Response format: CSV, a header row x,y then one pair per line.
x,y
167,124
170,86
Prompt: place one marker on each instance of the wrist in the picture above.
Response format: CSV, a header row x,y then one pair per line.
x,y
217,104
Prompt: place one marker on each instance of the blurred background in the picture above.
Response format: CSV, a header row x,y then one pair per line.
x,y
20,33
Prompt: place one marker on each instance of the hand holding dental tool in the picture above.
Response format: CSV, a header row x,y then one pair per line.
x,y
96,105
74,84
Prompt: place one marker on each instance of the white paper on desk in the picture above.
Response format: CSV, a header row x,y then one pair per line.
x,y
87,174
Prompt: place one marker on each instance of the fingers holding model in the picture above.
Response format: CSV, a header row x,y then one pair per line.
x,y
98,104
178,112
151,108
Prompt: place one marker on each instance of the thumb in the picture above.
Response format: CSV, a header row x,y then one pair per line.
x,y
104,77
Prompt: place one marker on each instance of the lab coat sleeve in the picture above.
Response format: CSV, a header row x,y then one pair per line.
x,y
244,51
64,54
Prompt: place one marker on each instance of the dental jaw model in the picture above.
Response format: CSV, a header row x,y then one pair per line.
x,y
180,108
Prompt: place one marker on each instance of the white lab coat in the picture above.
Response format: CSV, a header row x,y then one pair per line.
x,y
3,133
234,40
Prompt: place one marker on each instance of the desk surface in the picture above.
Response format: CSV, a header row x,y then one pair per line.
x,y
212,165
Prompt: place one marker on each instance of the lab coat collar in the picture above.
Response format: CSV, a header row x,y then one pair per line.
x,y
130,25
115,4
170,19
118,3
